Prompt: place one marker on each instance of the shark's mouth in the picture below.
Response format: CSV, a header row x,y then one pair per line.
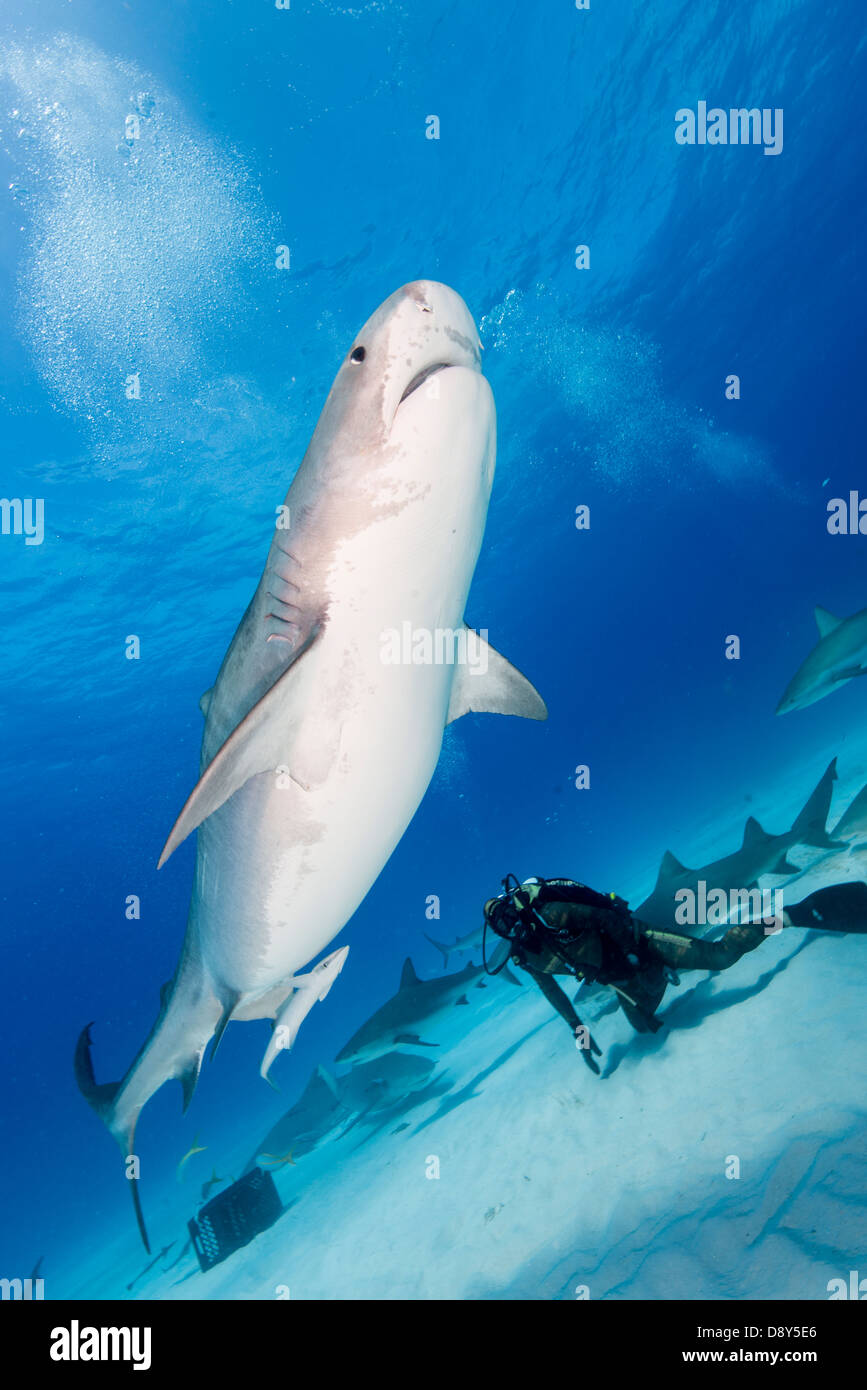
x,y
421,377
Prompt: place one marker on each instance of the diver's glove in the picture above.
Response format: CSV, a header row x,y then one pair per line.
x,y
586,1045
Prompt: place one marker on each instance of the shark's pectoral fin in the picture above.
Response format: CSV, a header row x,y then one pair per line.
x,y
258,744
848,673
489,684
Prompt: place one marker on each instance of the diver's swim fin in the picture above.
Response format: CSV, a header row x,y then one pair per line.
x,y
842,907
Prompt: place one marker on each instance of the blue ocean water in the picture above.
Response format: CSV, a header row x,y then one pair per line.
x,y
155,254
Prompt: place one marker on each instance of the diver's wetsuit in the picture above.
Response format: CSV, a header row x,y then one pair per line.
x,y
601,942
596,938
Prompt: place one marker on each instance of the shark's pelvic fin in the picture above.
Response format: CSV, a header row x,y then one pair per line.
x,y
205,701
325,1075
500,690
229,1007
825,621
189,1077
784,866
256,745
266,1005
413,1040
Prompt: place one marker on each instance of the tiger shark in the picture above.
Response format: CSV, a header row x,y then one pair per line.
x,y
760,853
316,749
838,656
418,1004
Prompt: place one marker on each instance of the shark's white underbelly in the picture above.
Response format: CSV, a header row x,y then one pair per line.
x,y
281,867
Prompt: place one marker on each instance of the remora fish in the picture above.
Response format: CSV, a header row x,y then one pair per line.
x,y
759,854
316,752
306,989
838,656
418,1004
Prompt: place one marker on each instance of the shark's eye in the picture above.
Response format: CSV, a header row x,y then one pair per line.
x,y
357,355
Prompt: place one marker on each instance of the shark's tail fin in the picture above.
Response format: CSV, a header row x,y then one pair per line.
x,y
810,827
445,951
101,1098
190,1012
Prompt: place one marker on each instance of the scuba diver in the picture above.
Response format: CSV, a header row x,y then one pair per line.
x,y
556,926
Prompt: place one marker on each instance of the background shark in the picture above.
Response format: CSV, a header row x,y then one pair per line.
x,y
760,853
329,1101
416,1014
461,946
315,753
852,825
838,656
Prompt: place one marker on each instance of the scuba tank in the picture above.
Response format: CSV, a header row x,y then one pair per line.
x,y
515,917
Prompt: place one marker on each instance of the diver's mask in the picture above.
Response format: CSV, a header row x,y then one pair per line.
x,y
512,915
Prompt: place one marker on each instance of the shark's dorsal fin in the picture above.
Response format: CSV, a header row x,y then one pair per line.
x,y
489,684
251,748
669,868
205,701
408,977
825,621
810,827
754,835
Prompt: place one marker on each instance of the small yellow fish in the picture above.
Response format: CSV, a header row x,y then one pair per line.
x,y
278,1160
196,1148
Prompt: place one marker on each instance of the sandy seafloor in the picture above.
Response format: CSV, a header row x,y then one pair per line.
x,y
551,1179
